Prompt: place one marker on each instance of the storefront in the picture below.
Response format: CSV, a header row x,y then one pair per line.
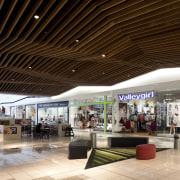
x,y
13,111
20,111
137,112
96,114
134,112
53,113
30,113
168,111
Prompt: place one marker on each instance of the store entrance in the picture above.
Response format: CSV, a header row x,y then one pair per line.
x,y
137,116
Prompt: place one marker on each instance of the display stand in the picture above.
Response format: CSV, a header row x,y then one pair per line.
x,y
10,133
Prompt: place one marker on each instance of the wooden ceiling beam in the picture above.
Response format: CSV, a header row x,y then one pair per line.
x,y
49,18
5,19
29,83
43,75
1,3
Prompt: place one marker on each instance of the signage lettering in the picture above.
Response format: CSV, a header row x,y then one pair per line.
x,y
51,105
144,95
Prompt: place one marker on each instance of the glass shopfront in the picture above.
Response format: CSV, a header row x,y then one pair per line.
x,y
168,111
20,111
13,111
30,113
53,113
147,112
136,112
93,115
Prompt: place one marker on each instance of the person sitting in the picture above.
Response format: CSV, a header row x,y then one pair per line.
x,y
38,129
46,131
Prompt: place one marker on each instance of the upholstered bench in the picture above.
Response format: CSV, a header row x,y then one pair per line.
x,y
78,149
145,151
127,141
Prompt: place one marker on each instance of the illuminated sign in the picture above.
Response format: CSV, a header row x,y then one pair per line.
x,y
53,104
130,96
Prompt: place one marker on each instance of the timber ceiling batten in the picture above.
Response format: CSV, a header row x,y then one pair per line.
x,y
63,47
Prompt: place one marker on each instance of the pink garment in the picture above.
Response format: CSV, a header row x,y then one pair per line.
x,y
141,118
127,125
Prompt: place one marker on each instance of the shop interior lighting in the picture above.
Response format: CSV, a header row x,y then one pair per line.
x,y
73,70
103,73
77,40
103,55
36,17
29,67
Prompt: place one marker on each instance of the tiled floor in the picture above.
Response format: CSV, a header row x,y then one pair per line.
x,y
47,159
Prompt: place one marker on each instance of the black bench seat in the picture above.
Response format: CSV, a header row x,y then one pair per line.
x,y
78,149
127,141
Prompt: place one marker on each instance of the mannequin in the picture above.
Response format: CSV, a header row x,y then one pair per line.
x,y
172,129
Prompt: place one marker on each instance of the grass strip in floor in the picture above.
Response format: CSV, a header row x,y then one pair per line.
x,y
102,156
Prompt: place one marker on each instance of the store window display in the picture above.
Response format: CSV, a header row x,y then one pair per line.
x,y
173,120
53,113
135,115
91,116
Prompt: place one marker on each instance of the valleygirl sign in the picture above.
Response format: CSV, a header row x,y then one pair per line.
x,y
137,96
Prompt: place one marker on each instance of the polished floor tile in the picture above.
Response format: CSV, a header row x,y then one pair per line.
x,y
47,159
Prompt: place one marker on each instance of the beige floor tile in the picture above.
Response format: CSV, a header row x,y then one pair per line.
x,y
51,161
21,176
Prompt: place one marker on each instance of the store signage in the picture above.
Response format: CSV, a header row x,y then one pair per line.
x,y
51,105
130,96
10,130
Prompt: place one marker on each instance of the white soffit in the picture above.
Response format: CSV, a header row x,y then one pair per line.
x,y
155,78
10,98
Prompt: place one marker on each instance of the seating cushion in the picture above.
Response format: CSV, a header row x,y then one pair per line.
x,y
145,151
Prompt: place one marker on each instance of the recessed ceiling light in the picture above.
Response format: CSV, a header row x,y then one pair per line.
x,y
103,72
73,70
103,55
29,67
77,40
36,17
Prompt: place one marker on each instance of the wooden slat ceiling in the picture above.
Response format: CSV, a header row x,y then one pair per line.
x,y
63,48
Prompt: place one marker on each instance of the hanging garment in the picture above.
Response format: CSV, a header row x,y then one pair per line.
x,y
127,125
132,126
154,126
141,118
